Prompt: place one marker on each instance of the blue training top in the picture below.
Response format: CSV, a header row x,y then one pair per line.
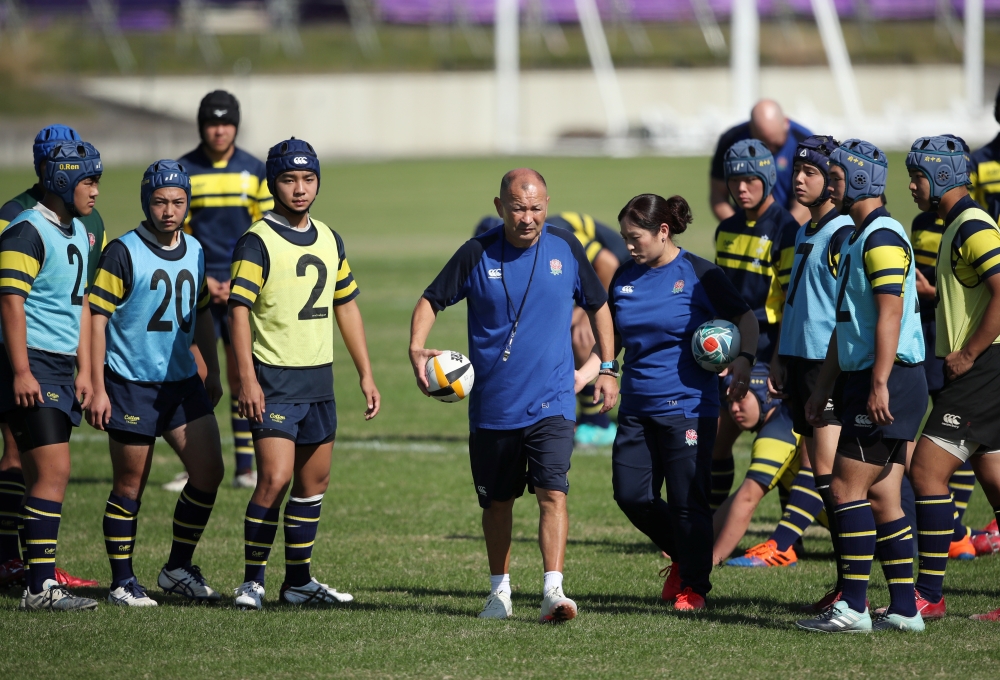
x,y
537,380
810,315
656,311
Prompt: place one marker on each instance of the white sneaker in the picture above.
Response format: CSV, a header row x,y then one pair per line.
x,y
250,595
556,607
498,606
177,484
130,594
54,598
187,581
248,480
313,592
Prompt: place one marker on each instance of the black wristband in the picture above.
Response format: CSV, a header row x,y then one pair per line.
x,y
749,357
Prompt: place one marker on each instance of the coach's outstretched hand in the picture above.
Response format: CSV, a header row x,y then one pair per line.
x,y
418,360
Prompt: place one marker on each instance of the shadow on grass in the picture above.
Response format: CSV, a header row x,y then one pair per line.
x,y
628,548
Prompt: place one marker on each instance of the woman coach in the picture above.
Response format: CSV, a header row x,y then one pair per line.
x,y
669,408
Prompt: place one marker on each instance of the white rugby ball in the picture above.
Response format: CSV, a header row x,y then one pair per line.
x,y
449,376
715,345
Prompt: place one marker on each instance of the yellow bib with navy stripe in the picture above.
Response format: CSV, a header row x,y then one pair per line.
x,y
961,305
292,318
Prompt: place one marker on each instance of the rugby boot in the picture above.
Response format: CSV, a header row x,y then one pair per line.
x,y
839,618
250,595
188,582
766,554
313,593
11,573
498,606
64,578
55,598
672,586
988,616
962,550
928,610
907,624
986,543
689,601
823,603
130,594
556,607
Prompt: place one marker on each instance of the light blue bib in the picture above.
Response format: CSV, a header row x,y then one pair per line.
x,y
150,334
857,314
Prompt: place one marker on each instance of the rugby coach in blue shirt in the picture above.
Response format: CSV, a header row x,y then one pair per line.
x,y
521,281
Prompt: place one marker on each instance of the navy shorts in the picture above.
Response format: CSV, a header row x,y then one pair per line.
x,y
40,425
305,424
150,409
536,456
800,381
907,403
220,315
933,365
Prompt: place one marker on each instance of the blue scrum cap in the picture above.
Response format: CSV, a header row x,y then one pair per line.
x,y
865,169
67,164
47,138
751,157
758,388
288,156
164,173
816,150
943,160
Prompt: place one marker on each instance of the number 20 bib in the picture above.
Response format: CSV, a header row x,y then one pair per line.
x,y
292,317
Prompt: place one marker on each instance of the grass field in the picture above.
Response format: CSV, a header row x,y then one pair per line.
x,y
400,527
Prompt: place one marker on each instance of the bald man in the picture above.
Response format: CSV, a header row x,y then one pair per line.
x,y
781,135
521,281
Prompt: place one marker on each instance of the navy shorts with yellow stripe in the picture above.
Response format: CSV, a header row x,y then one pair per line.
x,y
775,454
150,409
305,424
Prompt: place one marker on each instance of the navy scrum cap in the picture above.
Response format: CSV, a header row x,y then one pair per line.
x,y
66,165
47,138
751,157
815,151
865,169
164,173
943,160
219,106
288,156
758,388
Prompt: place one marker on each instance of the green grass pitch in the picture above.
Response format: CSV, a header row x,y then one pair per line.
x,y
400,527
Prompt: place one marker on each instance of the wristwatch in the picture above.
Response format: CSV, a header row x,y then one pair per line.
x,y
610,368
752,358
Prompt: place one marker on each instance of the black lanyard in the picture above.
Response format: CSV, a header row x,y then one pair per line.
x,y
510,303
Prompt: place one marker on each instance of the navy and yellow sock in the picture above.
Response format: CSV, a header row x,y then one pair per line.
x,y
191,514
830,505
857,542
22,537
121,519
259,528
242,440
41,531
589,413
301,523
935,529
11,495
962,484
804,503
894,545
723,472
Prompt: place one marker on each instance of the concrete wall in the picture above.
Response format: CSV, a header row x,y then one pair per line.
x,y
442,114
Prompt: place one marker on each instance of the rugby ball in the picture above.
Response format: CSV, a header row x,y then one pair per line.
x,y
715,345
449,376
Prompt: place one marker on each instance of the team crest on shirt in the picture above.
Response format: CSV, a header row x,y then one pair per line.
x,y
691,437
555,266
678,286
92,239
782,162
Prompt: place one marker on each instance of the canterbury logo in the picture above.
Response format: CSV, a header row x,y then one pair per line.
x,y
481,489
300,160
493,273
219,113
862,421
628,289
951,420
